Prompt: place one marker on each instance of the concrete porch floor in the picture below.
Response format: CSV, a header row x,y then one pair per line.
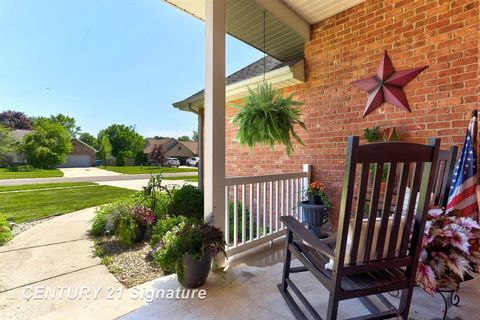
x,y
248,291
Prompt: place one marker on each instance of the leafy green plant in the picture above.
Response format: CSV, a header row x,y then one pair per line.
x,y
5,232
187,201
268,118
127,230
372,134
231,214
163,226
192,237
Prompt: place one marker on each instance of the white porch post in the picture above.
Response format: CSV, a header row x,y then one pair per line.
x,y
214,118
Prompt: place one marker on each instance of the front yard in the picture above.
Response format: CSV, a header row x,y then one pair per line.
x,y
29,202
37,173
147,169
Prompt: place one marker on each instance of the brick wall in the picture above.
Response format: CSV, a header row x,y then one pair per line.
x,y
348,47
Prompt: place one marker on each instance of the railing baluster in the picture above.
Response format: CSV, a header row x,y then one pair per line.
x,y
251,212
297,207
287,198
227,217
276,205
264,208
244,227
258,210
283,202
271,208
235,216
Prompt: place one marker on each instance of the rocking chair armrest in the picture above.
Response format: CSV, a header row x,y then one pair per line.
x,y
321,245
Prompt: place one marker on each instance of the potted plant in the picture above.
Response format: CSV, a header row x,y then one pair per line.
x,y
145,219
188,249
315,209
451,250
268,118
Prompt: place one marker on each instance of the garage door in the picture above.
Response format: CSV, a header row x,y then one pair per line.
x,y
77,160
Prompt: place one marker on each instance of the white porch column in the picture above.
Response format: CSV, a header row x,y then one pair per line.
x,y
214,118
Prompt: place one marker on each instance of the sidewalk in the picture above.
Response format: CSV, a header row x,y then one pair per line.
x,y
53,255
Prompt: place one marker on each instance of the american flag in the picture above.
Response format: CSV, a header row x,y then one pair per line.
x,y
462,193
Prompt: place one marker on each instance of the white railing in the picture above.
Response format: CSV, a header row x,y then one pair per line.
x,y
253,206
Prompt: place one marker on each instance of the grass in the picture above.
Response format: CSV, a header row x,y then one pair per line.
x,y
37,186
186,178
147,169
26,206
38,173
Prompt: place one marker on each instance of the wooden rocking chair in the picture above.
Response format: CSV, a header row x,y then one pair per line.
x,y
443,175
373,255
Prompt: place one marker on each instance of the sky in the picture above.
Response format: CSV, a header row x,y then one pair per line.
x,y
105,62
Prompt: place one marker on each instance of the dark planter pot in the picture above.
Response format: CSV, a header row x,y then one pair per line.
x,y
140,233
314,200
195,272
313,216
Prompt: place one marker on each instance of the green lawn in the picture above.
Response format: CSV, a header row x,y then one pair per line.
x,y
147,169
28,205
38,173
36,186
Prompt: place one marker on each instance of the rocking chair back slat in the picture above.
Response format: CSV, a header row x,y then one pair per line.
x,y
372,218
360,212
387,204
398,208
412,207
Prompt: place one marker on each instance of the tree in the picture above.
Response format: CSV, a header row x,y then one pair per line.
x,y
195,135
158,154
89,139
7,145
125,141
15,120
184,138
69,123
48,145
104,149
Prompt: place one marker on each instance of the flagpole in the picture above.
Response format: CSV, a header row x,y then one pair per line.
x,y
475,143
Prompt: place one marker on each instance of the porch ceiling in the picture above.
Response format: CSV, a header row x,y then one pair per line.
x,y
287,21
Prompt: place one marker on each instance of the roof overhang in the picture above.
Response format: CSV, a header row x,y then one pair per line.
x,y
287,21
285,31
283,77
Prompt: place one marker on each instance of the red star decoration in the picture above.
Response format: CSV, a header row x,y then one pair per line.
x,y
387,85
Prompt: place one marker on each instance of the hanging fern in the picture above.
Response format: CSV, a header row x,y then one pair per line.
x,y
267,118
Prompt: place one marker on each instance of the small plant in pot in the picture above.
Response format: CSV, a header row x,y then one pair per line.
x,y
315,209
188,250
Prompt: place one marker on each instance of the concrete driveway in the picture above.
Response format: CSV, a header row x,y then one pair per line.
x,y
87,172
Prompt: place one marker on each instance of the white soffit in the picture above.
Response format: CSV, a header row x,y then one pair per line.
x,y
314,11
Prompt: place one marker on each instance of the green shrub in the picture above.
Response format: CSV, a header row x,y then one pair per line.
x,y
5,232
99,223
232,220
24,168
187,201
163,226
120,161
127,229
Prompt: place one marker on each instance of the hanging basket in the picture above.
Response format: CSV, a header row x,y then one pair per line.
x,y
268,118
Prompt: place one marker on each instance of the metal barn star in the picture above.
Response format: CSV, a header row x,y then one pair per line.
x,y
387,85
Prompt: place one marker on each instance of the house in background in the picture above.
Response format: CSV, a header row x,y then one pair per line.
x,y
172,148
82,155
